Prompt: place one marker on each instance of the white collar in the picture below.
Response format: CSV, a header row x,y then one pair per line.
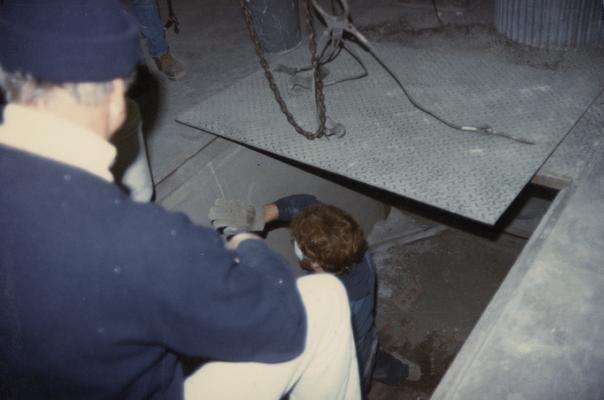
x,y
48,136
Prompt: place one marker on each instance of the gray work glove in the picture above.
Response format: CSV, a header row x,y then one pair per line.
x,y
235,216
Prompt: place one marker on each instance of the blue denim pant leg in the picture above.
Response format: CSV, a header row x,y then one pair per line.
x,y
150,25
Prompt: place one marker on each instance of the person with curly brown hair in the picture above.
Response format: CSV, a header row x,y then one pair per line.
x,y
327,239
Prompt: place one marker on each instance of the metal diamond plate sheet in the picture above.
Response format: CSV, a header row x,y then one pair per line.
x,y
573,154
393,146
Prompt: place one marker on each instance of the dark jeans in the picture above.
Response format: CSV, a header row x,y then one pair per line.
x,y
150,25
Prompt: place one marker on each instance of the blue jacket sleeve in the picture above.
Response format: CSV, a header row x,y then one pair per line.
x,y
221,304
291,205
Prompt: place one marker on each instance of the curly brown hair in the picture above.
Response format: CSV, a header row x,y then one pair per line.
x,y
328,236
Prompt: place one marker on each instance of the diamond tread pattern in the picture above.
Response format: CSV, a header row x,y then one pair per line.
x,y
577,149
393,146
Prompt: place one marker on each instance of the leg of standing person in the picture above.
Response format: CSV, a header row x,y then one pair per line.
x,y
327,369
147,14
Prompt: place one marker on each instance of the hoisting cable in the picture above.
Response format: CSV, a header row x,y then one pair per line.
x,y
485,129
342,23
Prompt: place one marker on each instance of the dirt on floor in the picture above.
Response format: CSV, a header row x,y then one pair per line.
x,y
430,295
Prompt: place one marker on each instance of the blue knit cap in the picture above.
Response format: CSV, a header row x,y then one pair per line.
x,y
68,40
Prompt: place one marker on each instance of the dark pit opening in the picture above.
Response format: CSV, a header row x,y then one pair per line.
x,y
436,275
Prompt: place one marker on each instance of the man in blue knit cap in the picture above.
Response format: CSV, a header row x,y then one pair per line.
x,y
101,296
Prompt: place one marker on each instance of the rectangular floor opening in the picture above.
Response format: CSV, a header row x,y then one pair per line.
x,y
436,275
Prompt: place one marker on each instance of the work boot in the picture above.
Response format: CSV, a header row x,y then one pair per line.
x,y
171,67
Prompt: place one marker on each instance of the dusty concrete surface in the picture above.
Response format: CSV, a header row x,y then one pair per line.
x,y
213,44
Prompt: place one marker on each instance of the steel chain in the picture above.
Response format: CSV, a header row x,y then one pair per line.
x,y
318,82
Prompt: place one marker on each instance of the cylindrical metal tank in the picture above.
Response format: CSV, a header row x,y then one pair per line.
x,y
277,24
551,24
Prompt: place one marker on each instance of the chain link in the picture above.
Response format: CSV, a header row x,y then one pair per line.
x,y
318,82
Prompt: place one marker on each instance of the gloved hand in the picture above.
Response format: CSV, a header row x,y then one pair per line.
x,y
235,216
289,206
